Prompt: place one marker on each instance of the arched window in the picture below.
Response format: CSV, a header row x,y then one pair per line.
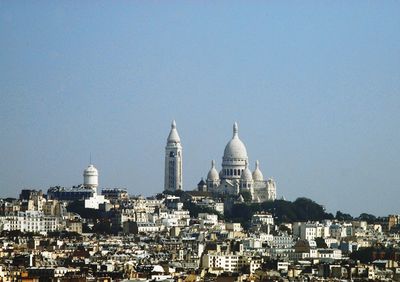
x,y
235,172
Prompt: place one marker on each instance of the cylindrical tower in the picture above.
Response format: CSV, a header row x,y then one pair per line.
x,y
91,178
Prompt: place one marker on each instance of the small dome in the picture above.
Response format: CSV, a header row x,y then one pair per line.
x,y
213,173
158,268
235,149
257,174
173,136
90,170
246,175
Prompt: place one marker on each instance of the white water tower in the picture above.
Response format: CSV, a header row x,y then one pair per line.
x,y
91,178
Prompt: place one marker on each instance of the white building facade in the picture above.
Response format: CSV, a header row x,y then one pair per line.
x,y
31,221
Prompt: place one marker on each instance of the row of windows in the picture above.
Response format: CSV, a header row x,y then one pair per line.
x,y
225,160
233,172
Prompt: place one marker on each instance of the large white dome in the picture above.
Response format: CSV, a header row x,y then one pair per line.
x,y
235,149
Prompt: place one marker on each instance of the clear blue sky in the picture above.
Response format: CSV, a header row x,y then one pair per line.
x,y
314,86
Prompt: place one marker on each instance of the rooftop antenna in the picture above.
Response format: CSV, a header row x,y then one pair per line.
x,y
90,158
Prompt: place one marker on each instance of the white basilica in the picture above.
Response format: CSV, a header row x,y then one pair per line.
x,y
236,177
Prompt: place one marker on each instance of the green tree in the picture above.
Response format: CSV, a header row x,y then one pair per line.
x,y
369,218
302,209
343,216
321,243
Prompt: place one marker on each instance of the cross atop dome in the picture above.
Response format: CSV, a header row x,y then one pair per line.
x,y
235,130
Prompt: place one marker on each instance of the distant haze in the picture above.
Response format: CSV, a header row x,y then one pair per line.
x,y
314,87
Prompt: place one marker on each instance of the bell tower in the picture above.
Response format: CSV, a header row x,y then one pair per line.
x,y
173,161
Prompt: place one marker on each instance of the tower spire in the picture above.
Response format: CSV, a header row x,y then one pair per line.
x,y
173,136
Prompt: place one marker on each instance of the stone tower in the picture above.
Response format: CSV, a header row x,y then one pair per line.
x,y
173,161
